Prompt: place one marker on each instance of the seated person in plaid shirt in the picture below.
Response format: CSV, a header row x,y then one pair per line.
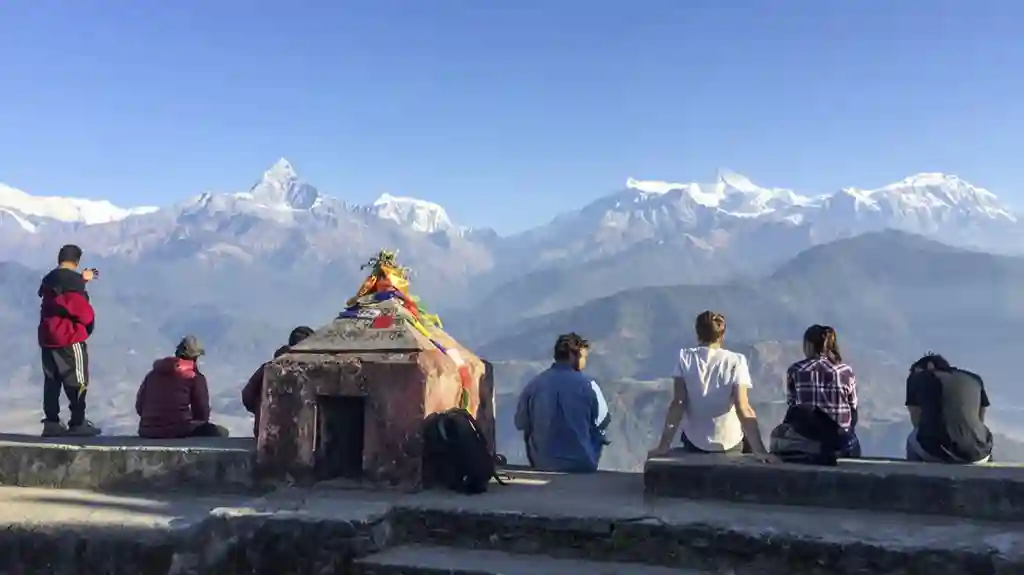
x,y
710,403
823,381
947,408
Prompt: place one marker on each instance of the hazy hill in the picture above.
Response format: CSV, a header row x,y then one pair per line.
x,y
891,295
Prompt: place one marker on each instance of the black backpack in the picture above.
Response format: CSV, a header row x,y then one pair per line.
x,y
456,454
807,435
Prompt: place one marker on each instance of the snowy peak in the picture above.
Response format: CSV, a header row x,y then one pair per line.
x,y
737,195
730,193
935,193
280,188
281,171
654,187
749,199
24,207
927,203
282,195
420,215
737,182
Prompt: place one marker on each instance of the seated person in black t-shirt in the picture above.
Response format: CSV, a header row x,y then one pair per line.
x,y
947,408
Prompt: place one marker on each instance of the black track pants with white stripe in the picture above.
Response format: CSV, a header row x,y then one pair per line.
x,y
65,368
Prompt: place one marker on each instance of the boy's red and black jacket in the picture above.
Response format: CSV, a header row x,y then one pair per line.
x,y
65,315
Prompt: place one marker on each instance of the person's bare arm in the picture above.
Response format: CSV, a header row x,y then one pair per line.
x,y
748,419
984,402
676,410
915,414
913,401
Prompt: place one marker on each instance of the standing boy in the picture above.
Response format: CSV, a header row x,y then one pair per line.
x,y
66,321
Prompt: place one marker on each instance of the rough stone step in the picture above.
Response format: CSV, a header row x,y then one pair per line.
x,y
599,517
430,560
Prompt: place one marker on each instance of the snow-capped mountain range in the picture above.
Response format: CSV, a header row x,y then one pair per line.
x,y
922,202
699,230
279,190
26,209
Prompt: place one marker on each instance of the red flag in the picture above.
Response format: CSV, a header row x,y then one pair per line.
x,y
382,321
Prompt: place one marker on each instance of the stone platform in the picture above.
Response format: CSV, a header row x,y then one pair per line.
x,y
992,491
539,523
127,463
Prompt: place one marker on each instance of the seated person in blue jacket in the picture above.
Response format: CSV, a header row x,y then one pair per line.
x,y
563,414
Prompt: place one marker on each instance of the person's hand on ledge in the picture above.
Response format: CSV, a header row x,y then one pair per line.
x,y
658,452
767,458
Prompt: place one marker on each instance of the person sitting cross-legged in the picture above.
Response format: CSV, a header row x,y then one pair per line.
x,y
174,400
947,409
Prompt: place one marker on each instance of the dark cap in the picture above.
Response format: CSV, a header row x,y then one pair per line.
x,y
298,334
189,348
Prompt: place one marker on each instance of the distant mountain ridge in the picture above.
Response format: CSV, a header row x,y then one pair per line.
x,y
918,194
648,233
928,199
279,189
898,293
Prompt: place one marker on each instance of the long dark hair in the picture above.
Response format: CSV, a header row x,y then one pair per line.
x,y
822,339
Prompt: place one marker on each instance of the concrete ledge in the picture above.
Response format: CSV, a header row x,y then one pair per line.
x,y
993,492
425,560
127,463
600,518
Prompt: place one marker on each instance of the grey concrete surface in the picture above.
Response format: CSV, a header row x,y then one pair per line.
x,y
427,560
993,492
601,518
127,463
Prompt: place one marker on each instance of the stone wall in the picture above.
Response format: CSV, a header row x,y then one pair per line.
x,y
189,529
127,463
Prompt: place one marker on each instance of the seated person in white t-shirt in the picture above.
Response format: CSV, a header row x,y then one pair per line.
x,y
710,397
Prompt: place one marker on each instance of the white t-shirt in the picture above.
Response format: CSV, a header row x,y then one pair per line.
x,y
603,417
711,374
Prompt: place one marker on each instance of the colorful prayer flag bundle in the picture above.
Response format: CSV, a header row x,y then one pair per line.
x,y
388,280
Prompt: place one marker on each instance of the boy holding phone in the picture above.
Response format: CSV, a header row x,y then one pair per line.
x,y
66,320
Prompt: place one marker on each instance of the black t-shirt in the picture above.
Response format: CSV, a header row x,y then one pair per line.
x,y
950,427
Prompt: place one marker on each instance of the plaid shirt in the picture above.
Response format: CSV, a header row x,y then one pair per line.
x,y
828,386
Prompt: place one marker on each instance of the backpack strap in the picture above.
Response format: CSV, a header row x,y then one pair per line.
x,y
498,458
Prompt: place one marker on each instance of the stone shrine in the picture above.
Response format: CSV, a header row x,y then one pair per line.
x,y
348,403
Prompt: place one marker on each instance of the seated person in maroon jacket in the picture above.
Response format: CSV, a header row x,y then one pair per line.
x,y
173,400
252,393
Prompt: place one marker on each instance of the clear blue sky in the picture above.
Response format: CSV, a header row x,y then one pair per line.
x,y
505,111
